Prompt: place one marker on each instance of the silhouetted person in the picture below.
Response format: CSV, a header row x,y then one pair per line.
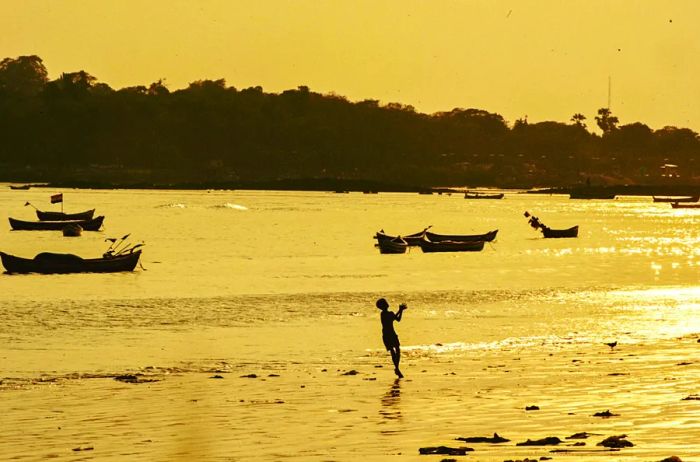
x,y
534,221
389,336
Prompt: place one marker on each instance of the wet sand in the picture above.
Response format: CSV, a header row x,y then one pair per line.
x,y
358,410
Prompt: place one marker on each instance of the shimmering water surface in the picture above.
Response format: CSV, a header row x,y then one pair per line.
x,y
289,278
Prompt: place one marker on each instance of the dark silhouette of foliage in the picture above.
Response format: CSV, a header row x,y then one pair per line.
x,y
606,121
76,128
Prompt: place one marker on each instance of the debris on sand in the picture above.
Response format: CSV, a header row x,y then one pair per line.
x,y
484,439
691,398
445,450
532,408
548,441
672,459
579,436
605,414
133,378
616,442
350,372
249,376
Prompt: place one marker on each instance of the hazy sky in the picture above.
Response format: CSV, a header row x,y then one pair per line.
x,y
542,59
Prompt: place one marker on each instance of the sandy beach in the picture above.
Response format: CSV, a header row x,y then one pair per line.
x,y
358,410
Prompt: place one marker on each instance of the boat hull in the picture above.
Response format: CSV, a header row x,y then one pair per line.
x,y
416,238
60,216
679,205
483,196
394,247
88,225
486,237
411,239
48,263
559,233
451,246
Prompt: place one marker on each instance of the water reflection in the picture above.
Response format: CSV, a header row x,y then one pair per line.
x,y
391,402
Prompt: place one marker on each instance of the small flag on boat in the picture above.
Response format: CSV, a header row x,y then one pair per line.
x,y
57,198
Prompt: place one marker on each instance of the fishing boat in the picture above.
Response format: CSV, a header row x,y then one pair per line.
x,y
684,205
451,246
591,195
675,199
535,223
60,216
22,187
486,237
50,263
416,238
396,245
555,233
87,225
476,195
411,239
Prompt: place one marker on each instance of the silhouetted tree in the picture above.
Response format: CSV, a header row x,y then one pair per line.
x,y
78,127
22,76
579,119
606,121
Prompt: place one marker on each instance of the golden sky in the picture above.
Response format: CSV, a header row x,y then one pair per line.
x,y
542,59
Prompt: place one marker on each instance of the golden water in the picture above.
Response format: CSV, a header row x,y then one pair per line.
x,y
283,283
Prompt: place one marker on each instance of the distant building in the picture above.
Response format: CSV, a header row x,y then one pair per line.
x,y
670,171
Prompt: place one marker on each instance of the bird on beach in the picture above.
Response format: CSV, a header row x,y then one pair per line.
x,y
612,345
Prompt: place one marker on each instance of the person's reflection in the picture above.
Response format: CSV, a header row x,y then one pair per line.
x,y
391,401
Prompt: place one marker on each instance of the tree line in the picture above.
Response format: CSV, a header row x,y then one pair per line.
x,y
76,127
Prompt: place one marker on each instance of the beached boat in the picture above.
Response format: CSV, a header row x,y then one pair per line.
x,y
486,237
50,263
555,233
684,205
396,245
676,198
468,195
451,246
60,216
22,187
87,225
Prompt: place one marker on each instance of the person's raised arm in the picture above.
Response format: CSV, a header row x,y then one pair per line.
x,y
400,313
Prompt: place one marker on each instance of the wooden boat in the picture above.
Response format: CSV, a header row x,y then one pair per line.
x,y
50,263
468,195
554,233
60,216
411,239
23,187
591,195
87,225
416,238
486,237
396,245
684,205
676,199
451,246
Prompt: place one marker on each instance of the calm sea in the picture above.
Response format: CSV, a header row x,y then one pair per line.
x,y
293,276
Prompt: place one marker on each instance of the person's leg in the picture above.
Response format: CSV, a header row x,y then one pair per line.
x,y
396,357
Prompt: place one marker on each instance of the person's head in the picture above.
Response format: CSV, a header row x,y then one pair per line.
x,y
382,304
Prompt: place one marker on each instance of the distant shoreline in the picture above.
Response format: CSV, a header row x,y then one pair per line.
x,y
371,187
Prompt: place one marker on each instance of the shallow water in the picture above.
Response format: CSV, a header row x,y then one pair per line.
x,y
251,281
